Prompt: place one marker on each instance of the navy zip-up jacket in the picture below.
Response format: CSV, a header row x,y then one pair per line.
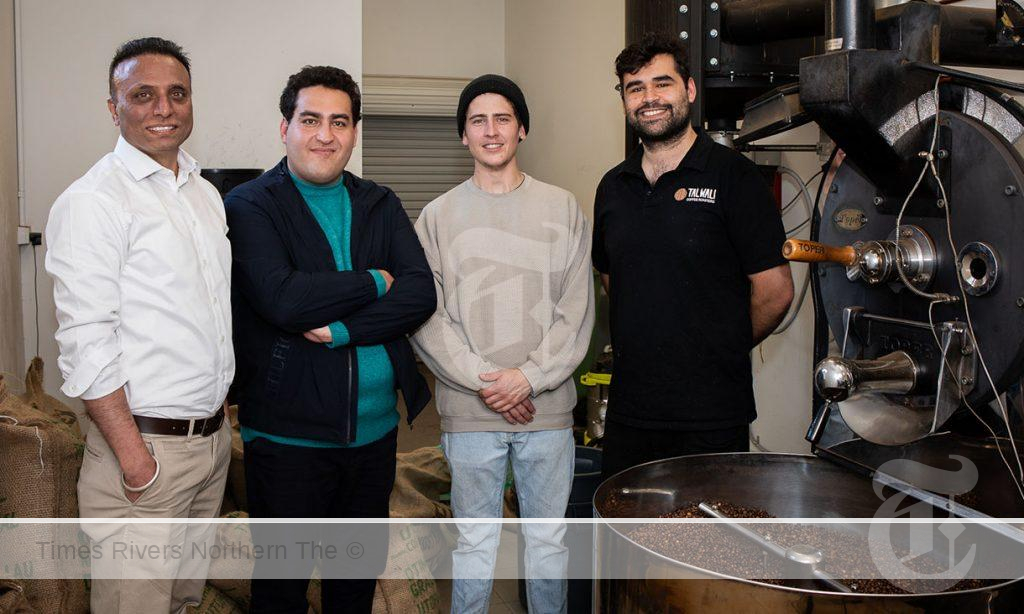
x,y
285,282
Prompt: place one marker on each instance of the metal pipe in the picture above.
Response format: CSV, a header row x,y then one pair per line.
x,y
967,36
850,25
19,111
969,77
759,21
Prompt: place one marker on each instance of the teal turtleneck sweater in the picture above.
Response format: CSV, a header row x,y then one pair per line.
x,y
376,413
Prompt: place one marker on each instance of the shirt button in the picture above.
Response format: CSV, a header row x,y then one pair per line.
x,y
649,192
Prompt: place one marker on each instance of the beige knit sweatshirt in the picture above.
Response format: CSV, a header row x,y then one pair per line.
x,y
514,289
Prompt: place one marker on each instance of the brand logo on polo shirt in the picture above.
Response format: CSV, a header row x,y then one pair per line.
x,y
697,195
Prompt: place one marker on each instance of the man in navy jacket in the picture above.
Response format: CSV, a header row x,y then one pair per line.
x,y
328,279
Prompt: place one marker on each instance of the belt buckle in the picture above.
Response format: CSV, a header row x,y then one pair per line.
x,y
191,428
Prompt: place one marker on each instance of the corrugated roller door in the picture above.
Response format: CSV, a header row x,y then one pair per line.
x,y
419,158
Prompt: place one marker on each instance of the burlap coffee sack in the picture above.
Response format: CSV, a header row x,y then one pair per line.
x,y
13,600
40,456
380,604
215,602
421,477
231,575
408,585
414,591
35,396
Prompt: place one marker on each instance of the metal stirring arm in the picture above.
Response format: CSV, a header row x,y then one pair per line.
x,y
791,555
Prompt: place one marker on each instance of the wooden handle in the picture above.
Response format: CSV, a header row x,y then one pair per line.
x,y
812,251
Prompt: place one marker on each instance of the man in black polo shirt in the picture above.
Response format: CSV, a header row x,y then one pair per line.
x,y
688,240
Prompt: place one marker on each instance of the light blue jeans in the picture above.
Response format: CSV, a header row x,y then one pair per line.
x,y
542,465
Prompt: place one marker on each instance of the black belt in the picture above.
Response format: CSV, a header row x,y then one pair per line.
x,y
203,427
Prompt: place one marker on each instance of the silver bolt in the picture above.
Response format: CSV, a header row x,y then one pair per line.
x,y
879,201
1010,190
967,381
837,218
684,35
943,154
941,204
713,61
714,7
1020,302
966,350
684,9
713,33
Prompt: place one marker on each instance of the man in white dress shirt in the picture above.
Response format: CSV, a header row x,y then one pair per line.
x,y
138,252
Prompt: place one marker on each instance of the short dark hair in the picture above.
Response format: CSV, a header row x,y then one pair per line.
x,y
640,53
143,46
327,76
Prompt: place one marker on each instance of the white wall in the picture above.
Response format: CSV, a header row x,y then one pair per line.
x,y
562,55
242,53
439,38
783,363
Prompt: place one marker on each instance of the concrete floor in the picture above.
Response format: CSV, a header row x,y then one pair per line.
x,y
426,431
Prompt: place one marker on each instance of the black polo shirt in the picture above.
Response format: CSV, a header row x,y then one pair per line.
x,y
679,254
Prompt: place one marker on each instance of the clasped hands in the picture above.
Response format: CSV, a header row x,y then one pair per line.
x,y
508,395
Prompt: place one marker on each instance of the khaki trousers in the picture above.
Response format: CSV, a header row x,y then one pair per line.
x,y
148,567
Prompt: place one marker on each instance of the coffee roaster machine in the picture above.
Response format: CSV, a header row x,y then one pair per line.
x,y
917,252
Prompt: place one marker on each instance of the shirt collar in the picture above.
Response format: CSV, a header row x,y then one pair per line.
x,y
696,158
141,165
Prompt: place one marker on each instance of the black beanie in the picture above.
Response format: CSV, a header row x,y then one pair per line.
x,y
493,84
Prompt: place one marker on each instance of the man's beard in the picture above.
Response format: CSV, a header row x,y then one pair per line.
x,y
675,127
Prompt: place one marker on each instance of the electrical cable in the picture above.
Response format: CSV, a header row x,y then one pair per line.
x,y
977,346
929,164
804,193
929,157
809,205
792,201
796,229
35,292
960,390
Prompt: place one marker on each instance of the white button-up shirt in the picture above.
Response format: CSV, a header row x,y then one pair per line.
x,y
141,269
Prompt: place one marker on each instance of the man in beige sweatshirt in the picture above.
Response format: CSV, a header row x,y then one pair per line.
x,y
515,308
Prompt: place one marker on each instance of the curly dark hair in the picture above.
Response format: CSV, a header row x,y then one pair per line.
x,y
640,53
142,46
327,76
